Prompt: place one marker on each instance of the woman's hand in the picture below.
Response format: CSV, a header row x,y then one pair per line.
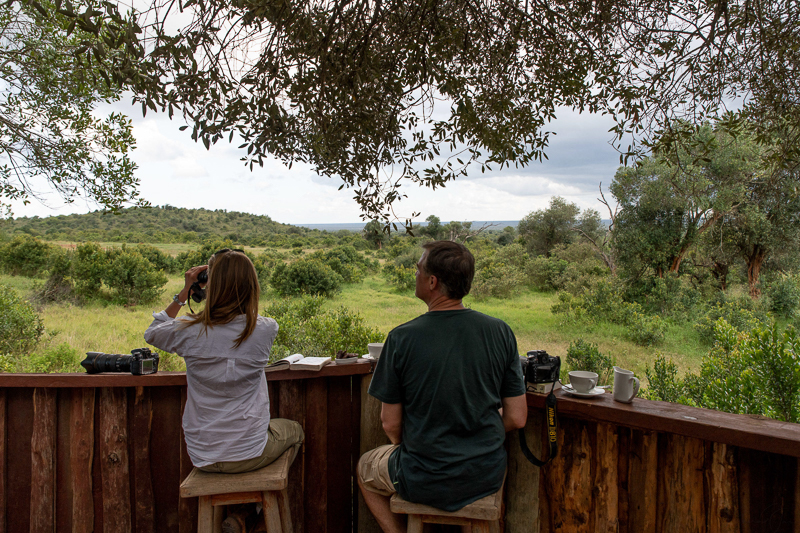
x,y
191,275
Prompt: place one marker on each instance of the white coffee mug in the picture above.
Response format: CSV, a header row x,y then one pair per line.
x,y
583,381
626,385
375,349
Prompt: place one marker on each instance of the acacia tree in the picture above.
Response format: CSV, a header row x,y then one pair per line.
x,y
671,198
561,223
48,129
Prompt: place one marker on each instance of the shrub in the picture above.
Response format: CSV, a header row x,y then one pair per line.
x,y
741,313
497,279
20,325
157,258
26,255
402,277
305,276
88,269
583,355
132,279
774,360
305,328
663,381
643,329
264,264
783,294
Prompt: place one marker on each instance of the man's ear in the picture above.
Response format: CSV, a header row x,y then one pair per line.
x,y
433,281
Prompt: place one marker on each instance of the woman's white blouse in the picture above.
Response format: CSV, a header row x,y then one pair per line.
x,y
227,408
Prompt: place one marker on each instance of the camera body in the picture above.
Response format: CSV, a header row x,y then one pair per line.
x,y
539,367
141,362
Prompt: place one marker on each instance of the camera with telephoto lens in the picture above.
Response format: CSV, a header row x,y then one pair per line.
x,y
140,362
198,293
539,367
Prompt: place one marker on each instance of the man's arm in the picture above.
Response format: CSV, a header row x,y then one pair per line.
x,y
514,412
392,420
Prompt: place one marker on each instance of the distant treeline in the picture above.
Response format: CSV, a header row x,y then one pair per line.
x,y
165,224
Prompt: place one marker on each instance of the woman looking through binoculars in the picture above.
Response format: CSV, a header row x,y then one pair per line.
x,y
226,347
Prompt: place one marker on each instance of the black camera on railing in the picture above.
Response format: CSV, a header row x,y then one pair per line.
x,y
197,292
539,367
141,362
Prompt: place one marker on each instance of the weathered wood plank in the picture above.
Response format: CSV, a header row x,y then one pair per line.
x,y
43,468
522,481
771,491
372,436
165,455
81,456
606,481
355,443
681,501
316,457
642,481
723,505
114,464
338,468
19,429
144,516
569,492
3,455
292,406
759,433
187,507
623,495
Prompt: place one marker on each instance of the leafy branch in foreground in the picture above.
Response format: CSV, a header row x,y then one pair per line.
x,y
48,129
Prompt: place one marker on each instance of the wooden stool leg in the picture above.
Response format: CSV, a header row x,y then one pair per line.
x,y
286,514
219,512
272,513
414,523
480,526
205,515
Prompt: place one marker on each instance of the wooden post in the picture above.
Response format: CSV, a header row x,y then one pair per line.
x,y
43,467
142,483
291,405
372,436
187,507
681,501
113,452
642,481
606,495
81,455
522,482
723,511
568,478
3,461
316,457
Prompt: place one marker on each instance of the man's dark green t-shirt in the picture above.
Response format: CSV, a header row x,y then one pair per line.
x,y
450,370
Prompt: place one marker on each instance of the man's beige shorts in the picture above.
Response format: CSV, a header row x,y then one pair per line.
x,y
373,470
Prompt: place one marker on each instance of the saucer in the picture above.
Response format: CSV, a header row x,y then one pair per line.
x,y
597,391
347,361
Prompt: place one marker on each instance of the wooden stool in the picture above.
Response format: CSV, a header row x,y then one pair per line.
x,y
483,515
266,485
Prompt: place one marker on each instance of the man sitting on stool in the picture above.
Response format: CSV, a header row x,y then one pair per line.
x,y
451,386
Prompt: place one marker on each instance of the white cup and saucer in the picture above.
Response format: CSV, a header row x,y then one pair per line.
x,y
583,384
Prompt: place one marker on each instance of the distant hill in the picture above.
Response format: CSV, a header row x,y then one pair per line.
x,y
156,225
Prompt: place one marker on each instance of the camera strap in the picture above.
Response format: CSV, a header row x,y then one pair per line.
x,y
552,435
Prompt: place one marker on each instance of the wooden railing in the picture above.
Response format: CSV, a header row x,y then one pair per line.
x,y
105,453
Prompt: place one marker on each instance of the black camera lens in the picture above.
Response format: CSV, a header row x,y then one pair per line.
x,y
202,277
96,362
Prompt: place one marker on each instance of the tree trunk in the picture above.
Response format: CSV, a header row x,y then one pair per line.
x,y
676,262
754,262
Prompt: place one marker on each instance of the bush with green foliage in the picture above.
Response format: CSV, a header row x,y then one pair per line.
x,y
61,358
402,277
131,278
305,276
783,294
305,328
159,260
26,255
499,272
265,263
740,312
583,355
20,325
756,372
89,266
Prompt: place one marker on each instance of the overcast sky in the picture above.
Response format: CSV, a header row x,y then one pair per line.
x,y
175,170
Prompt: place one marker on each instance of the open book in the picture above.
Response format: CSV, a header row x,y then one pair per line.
x,y
298,362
